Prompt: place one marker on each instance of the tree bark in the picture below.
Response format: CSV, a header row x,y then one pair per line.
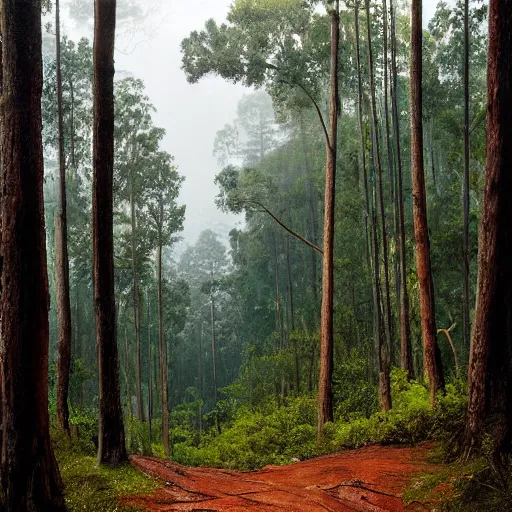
x,y
214,363
490,366
292,316
127,374
466,327
150,387
431,354
406,360
62,258
325,406
388,324
136,303
111,440
374,275
379,331
163,357
29,474
391,173
312,209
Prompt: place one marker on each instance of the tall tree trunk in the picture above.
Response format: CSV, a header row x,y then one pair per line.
x,y
111,440
61,258
379,331
325,406
214,362
136,306
312,209
431,353
78,348
72,130
150,387
127,374
279,319
200,384
406,360
292,315
29,473
490,366
391,173
466,327
388,324
163,356
374,275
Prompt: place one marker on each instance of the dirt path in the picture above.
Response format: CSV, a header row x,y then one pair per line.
x,y
367,480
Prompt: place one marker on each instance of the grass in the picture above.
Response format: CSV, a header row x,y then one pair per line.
x,y
91,489
475,486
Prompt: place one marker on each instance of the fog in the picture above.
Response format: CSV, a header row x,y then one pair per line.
x,y
191,114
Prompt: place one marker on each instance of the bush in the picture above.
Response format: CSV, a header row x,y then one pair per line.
x,y
137,436
278,434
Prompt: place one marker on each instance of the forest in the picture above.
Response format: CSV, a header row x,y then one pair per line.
x,y
346,344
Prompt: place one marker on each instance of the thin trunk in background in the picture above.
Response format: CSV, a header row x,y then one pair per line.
x,y
214,361
200,386
384,382
325,405
384,349
111,440
406,361
163,354
30,476
292,316
127,374
62,297
490,365
150,386
312,209
466,326
368,219
136,302
391,173
431,354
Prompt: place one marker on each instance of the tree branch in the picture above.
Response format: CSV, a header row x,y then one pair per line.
x,y
310,96
286,228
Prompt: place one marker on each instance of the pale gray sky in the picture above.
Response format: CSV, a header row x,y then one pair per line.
x,y
191,114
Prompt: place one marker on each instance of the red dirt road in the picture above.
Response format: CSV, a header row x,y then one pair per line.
x,y
367,480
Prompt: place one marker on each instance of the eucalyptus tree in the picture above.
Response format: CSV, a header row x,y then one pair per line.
x,y
211,264
111,440
432,357
30,476
137,140
325,395
61,253
165,220
67,135
267,45
490,370
406,360
384,350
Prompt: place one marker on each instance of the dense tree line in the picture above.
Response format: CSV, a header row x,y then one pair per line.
x,y
362,166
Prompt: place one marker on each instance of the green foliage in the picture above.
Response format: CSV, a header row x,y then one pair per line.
x,y
137,437
280,433
88,488
354,393
91,489
480,483
274,435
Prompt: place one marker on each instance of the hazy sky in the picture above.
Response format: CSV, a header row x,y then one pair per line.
x,y
191,114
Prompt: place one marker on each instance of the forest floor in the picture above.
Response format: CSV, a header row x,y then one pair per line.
x,y
370,479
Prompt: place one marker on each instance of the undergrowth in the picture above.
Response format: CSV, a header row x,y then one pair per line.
x,y
88,488
280,433
479,484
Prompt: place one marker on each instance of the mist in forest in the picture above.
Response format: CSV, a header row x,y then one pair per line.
x,y
247,234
